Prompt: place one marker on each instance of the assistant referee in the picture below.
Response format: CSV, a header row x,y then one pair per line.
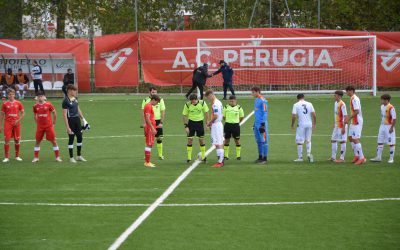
x,y
194,112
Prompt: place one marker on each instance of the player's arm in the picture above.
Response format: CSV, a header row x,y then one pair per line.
x,y
54,112
21,115
294,116
213,118
80,113
393,113
65,115
241,114
2,115
148,123
314,119
162,107
217,72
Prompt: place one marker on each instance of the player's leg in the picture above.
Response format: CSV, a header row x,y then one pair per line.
x,y
17,138
334,144
257,136
25,89
300,138
201,89
36,149
308,134
36,86
236,137
51,137
194,86
225,88
265,144
358,146
79,140
230,86
218,140
189,145
392,145
382,138
227,136
147,150
7,138
352,133
159,139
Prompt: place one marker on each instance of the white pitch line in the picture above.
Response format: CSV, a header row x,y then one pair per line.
x,y
233,204
118,242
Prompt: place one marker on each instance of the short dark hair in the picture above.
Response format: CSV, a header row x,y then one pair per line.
x,y
155,98
71,87
256,89
40,93
339,92
193,97
350,88
152,88
386,97
208,92
232,97
300,96
35,61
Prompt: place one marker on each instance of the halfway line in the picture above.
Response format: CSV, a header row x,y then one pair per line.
x,y
118,242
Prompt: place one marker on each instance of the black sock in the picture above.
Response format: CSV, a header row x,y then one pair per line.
x,y
260,157
71,152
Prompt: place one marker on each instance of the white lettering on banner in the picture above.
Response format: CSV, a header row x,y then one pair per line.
x,y
390,59
121,55
230,56
180,60
260,59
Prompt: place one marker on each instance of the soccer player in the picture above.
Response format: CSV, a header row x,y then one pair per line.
x,y
233,115
217,129
307,120
194,112
23,81
387,133
227,74
11,113
356,125
42,112
72,120
159,115
339,133
260,127
150,128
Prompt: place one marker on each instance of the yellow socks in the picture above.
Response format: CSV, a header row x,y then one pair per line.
x,y
189,149
226,151
203,151
238,149
160,149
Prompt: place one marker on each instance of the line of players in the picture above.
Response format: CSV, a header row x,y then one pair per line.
x,y
45,116
196,111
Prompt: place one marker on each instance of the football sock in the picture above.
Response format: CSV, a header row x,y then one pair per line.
x,y
334,150
238,150
17,147
36,152
220,154
392,148
202,150
379,150
342,150
6,150
147,154
78,148
71,150
265,150
226,151
359,150
189,149
56,151
308,148
353,146
300,151
260,149
160,148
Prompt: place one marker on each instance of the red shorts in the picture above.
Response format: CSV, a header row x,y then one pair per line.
x,y
12,131
150,137
50,134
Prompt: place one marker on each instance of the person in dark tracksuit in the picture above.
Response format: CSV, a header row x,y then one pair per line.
x,y
72,119
69,78
37,77
227,73
199,79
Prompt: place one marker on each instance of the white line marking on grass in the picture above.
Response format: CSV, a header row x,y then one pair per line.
x,y
118,242
233,204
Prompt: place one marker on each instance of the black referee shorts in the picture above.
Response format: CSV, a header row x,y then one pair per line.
x,y
160,131
196,128
75,125
232,130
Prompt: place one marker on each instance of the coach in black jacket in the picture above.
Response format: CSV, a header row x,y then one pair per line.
x,y
69,78
227,73
199,79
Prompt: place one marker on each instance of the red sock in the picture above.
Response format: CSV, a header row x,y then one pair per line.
x,y
147,155
6,150
56,151
17,146
36,152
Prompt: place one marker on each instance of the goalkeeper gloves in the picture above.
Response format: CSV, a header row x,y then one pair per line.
x,y
262,128
86,125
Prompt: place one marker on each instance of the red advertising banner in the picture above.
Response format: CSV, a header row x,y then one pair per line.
x,y
78,47
168,58
116,60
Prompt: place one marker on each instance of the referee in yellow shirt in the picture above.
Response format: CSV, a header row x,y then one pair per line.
x,y
233,115
159,116
194,112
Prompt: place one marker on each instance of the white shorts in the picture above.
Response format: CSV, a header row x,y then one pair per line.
x,y
303,134
355,131
338,136
385,137
217,134
21,86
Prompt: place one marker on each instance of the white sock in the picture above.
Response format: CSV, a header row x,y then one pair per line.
x,y
359,150
334,150
353,146
342,150
300,151
379,151
308,147
220,154
392,148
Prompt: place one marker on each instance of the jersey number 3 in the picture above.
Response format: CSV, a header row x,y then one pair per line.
x,y
305,109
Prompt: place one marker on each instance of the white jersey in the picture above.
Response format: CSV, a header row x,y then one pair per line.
x,y
355,104
36,72
303,110
217,110
388,114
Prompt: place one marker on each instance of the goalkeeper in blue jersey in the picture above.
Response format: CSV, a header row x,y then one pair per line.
x,y
260,125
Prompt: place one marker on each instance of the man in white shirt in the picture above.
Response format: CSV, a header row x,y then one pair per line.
x,y
355,120
339,134
217,129
307,119
37,77
387,133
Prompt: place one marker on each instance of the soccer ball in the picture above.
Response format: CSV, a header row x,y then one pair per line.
x,y
199,156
